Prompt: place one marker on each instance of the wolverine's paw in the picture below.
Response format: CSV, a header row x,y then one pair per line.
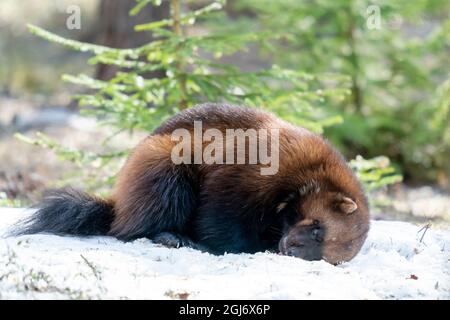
x,y
173,240
168,239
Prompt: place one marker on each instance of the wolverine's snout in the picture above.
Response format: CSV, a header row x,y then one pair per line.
x,y
304,242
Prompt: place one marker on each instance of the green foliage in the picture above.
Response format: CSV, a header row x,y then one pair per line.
x,y
374,173
78,157
97,169
394,71
133,100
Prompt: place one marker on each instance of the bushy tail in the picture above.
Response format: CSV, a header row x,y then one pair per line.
x,y
69,212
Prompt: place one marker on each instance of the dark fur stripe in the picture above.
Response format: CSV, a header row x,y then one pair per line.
x,y
156,201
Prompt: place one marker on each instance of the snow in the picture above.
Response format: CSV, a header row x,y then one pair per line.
x,y
393,264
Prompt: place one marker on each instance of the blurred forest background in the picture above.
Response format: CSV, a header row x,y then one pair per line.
x,y
371,76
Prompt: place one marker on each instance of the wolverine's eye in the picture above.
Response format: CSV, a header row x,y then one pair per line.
x,y
291,217
316,222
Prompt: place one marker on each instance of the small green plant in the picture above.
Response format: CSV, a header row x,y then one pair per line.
x,y
7,202
374,173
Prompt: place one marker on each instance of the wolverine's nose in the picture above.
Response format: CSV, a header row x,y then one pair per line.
x,y
317,234
304,242
306,235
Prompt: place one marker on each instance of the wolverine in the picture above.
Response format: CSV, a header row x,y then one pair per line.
x,y
313,207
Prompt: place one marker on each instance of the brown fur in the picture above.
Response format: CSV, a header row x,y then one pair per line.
x,y
305,160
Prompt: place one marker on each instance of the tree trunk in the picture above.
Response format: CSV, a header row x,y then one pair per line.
x,y
116,28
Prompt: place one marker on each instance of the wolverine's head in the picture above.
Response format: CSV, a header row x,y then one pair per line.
x,y
323,224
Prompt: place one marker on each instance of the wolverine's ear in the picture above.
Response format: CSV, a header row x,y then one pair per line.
x,y
346,205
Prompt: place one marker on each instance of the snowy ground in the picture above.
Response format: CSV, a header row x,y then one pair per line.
x,y
394,264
